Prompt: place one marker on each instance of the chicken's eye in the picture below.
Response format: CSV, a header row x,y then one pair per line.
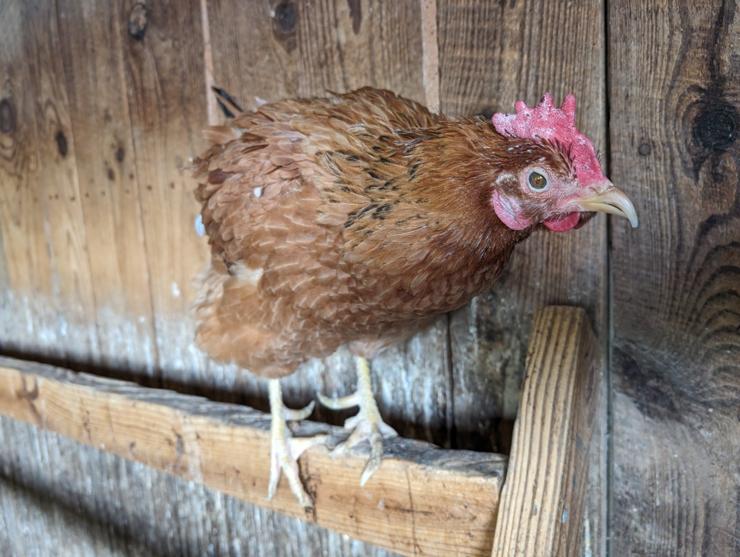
x,y
537,181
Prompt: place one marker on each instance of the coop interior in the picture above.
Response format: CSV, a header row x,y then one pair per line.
x,y
586,405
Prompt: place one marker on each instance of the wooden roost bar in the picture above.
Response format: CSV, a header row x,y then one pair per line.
x,y
119,437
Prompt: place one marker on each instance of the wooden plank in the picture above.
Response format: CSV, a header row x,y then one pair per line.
x,y
542,502
55,184
27,266
676,307
423,500
492,54
485,68
100,120
165,90
53,525
277,49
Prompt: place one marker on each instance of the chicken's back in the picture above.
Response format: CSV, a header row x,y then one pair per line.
x,y
277,291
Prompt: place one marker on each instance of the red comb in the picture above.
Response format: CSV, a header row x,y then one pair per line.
x,y
545,121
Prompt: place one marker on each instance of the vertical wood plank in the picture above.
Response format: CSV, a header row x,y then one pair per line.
x,y
57,187
273,50
165,90
21,216
492,54
674,100
108,184
48,227
542,503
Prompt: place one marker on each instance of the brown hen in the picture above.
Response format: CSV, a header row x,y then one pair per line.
x,y
356,219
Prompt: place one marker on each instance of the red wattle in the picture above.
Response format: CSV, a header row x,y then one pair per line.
x,y
564,223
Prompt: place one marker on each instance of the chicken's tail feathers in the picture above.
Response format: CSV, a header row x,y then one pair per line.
x,y
227,103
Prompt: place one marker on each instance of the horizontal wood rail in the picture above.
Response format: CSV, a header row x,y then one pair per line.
x,y
423,500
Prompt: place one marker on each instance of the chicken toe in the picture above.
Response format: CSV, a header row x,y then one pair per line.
x,y
286,449
366,425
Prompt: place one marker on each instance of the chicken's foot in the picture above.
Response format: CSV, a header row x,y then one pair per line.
x,y
367,424
286,449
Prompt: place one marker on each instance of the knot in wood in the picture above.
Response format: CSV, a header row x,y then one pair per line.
x,y
285,17
7,116
715,127
138,21
61,141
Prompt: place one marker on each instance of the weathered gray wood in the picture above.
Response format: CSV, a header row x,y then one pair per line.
x,y
30,514
492,54
90,45
674,101
30,268
118,507
166,94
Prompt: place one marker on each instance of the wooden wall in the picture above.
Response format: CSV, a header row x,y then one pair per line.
x,y
102,103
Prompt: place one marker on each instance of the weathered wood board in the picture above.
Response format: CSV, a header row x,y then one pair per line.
x,y
422,500
543,502
119,507
674,97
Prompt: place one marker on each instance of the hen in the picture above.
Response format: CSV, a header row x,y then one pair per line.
x,y
357,218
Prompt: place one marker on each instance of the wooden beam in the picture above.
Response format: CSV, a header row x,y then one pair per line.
x,y
541,505
423,500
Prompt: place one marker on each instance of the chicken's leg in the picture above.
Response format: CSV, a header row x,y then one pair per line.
x,y
366,424
286,449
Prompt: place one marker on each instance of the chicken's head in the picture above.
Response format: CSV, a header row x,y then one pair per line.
x,y
556,175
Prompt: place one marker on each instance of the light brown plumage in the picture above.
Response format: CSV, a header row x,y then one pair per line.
x,y
351,219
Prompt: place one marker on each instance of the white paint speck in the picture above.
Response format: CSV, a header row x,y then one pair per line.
x,y
259,101
175,289
257,191
587,550
200,230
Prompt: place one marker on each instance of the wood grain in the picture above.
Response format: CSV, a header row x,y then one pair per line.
x,y
165,91
422,500
121,507
485,68
27,269
492,54
676,306
542,502
56,186
100,122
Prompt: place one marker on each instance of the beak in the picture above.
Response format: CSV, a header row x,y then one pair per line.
x,y
610,200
